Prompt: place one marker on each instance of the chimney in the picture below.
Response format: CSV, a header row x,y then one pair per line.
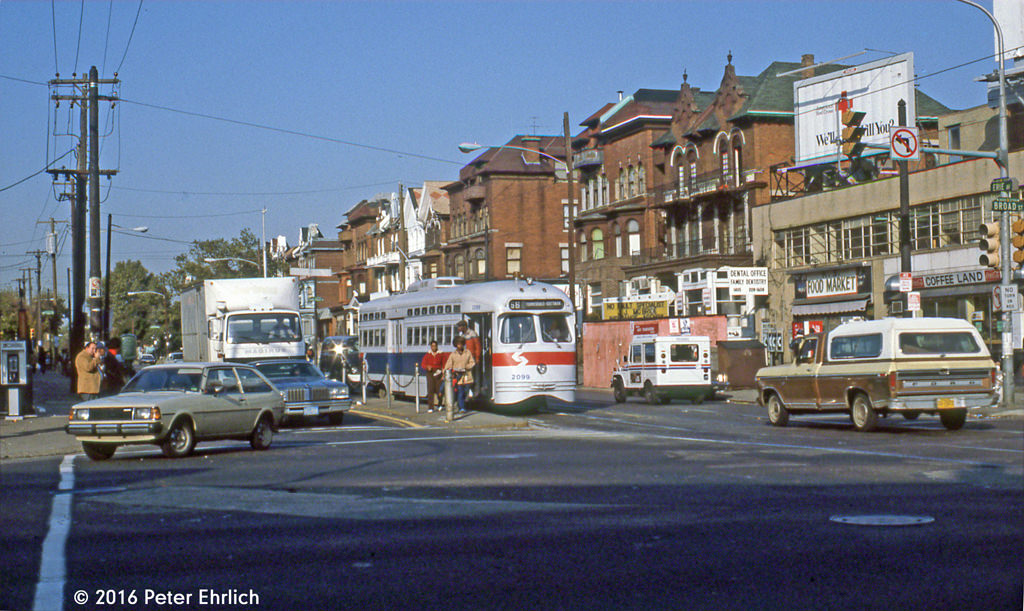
x,y
532,143
807,60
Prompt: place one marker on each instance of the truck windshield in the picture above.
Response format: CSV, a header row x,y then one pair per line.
x,y
263,328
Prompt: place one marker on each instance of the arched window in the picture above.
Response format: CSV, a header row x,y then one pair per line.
x,y
737,157
641,180
617,238
460,266
597,243
633,233
481,262
631,189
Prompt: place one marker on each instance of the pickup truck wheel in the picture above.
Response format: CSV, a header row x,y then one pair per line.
x,y
98,451
650,394
262,435
864,417
953,419
619,391
911,415
382,392
778,415
180,441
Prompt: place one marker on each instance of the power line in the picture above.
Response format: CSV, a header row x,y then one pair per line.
x,y
53,18
137,13
252,193
106,39
37,173
81,18
292,132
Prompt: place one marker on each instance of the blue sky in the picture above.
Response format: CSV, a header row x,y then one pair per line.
x,y
382,91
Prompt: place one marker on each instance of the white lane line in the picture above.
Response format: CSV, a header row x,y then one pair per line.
x,y
52,567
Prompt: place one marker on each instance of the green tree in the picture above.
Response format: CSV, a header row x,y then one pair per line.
x,y
192,265
144,314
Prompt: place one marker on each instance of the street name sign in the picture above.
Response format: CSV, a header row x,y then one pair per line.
x,y
1002,204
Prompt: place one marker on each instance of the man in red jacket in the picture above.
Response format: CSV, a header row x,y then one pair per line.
x,y
432,364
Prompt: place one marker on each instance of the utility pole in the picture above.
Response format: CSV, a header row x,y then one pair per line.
x,y
85,93
905,243
39,294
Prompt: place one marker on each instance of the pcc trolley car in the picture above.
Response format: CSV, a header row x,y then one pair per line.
x,y
527,341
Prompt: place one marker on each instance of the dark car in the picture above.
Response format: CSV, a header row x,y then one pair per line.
x,y
174,406
339,360
307,392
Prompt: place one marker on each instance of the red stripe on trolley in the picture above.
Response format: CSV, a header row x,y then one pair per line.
x,y
511,359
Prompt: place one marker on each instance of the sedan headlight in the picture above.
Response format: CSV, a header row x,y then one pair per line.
x,y
339,392
147,413
80,414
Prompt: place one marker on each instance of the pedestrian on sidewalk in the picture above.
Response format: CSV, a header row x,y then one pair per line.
x,y
88,364
461,362
433,366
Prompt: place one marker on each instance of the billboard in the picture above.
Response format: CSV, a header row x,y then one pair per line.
x,y
874,88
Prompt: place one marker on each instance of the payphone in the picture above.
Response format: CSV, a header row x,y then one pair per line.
x,y
14,375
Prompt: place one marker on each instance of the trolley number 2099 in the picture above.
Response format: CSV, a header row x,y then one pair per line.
x,y
520,376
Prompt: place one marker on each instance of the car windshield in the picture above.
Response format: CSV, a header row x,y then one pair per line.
x,y
263,328
181,379
289,370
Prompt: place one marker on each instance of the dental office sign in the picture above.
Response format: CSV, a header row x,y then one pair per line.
x,y
874,88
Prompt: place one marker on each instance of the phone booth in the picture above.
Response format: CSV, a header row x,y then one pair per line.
x,y
14,376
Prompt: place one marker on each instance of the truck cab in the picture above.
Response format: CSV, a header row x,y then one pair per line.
x,y
662,368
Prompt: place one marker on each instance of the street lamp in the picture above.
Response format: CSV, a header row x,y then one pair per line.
x,y
216,259
469,147
106,282
1004,217
167,314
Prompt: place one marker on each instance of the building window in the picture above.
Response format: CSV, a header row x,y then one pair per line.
x,y
617,238
597,243
604,190
565,215
953,132
583,246
460,266
594,298
632,181
641,180
481,262
513,260
565,259
633,232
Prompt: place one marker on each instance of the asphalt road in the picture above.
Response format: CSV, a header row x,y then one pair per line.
x,y
593,506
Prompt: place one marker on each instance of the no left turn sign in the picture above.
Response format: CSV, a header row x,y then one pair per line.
x,y
904,143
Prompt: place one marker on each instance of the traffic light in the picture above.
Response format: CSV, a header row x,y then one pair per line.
x,y
852,133
1018,240
989,244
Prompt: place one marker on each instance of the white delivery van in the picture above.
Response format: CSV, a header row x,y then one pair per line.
x,y
664,368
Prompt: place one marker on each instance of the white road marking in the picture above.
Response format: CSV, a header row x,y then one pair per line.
x,y
53,565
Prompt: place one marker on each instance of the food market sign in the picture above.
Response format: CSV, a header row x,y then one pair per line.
x,y
842,282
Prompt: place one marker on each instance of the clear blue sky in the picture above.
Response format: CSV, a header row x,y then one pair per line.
x,y
411,78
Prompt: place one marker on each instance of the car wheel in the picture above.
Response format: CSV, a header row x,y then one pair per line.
x,y
336,418
619,391
262,435
180,441
382,392
953,419
864,417
98,451
650,394
911,415
778,415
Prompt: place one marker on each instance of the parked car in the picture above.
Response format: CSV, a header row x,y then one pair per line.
x,y
175,406
146,359
874,368
175,357
307,392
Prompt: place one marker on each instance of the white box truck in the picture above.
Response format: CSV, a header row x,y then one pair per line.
x,y
241,319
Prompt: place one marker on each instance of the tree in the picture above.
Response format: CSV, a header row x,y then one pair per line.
x,y
145,314
192,265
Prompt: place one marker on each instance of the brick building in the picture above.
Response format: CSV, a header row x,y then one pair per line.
x,y
509,214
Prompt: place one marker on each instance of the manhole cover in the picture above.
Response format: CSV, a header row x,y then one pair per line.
x,y
883,520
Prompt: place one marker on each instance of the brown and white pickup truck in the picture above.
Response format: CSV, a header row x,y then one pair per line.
x,y
873,368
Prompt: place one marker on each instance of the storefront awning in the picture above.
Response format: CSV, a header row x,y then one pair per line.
x,y
832,307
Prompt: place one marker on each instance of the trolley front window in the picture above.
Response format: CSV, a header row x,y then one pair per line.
x,y
518,329
555,328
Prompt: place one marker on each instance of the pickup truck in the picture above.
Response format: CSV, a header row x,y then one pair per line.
x,y
908,366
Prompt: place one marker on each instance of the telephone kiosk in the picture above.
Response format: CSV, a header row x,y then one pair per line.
x,y
14,376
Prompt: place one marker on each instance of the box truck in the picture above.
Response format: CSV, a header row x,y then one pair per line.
x,y
241,319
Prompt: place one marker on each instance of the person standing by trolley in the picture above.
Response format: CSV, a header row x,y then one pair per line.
x,y
433,365
88,364
461,362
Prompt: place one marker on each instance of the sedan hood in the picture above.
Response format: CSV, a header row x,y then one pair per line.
x,y
134,399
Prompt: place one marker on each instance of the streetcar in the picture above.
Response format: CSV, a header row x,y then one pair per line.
x,y
527,340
